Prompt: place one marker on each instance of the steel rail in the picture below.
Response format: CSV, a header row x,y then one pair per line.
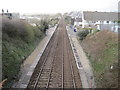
x,y
63,64
52,63
71,66
42,67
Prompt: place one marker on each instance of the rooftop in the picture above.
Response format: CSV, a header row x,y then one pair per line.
x,y
95,16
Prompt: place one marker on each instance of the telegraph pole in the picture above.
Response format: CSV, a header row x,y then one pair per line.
x,y
2,12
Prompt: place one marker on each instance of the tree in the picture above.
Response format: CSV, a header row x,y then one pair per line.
x,y
83,34
72,21
118,21
43,26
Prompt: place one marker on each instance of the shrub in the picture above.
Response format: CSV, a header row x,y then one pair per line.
x,y
28,34
19,39
18,29
37,32
83,34
118,21
9,29
44,26
53,22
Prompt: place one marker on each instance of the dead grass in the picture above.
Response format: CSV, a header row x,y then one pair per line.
x,y
95,44
102,51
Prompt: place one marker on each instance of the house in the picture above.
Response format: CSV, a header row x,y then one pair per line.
x,y
77,16
100,20
11,15
94,19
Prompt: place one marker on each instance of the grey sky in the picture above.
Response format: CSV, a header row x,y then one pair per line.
x,y
55,6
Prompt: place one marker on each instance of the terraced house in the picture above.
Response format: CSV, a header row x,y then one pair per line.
x,y
98,20
101,20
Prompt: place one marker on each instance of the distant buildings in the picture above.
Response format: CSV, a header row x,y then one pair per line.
x,y
98,20
78,18
101,20
10,15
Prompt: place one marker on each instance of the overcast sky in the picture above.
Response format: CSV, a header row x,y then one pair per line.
x,y
56,6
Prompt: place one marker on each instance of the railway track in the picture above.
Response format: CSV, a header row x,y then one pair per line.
x,y
56,68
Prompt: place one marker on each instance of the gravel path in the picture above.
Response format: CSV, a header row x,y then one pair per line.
x,y
83,63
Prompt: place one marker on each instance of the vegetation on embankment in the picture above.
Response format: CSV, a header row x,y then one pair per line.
x,y
102,51
19,39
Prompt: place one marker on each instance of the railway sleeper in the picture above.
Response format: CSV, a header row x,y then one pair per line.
x,y
46,69
41,86
55,85
68,84
42,83
43,80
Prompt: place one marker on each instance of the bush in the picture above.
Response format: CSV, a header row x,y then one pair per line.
x,y
19,39
28,34
44,26
9,29
118,21
83,34
18,29
53,22
38,33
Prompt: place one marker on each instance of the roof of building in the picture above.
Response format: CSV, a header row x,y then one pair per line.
x,y
78,19
75,14
95,16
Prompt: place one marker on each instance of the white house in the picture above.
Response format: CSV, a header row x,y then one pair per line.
x,y
100,20
77,16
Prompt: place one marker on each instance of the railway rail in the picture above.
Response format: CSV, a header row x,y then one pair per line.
x,y
57,67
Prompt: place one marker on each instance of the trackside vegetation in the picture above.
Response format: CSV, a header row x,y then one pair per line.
x,y
102,51
83,34
19,39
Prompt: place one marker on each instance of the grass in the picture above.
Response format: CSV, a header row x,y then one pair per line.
x,y
102,51
102,67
